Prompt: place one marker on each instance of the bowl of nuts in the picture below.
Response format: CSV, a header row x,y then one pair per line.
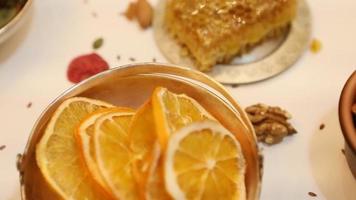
x,y
347,118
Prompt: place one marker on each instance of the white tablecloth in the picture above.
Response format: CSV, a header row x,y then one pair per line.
x,y
33,67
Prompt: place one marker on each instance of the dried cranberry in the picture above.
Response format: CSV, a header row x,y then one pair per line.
x,y
85,66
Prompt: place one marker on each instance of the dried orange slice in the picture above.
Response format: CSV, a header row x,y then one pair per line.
x,y
147,154
155,188
204,161
58,155
174,111
85,141
113,156
143,143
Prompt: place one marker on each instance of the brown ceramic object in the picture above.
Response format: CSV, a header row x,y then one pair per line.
x,y
348,125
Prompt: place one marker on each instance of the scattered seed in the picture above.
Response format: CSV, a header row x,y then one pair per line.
x,y
98,43
322,126
315,46
118,57
312,194
29,105
343,151
94,14
234,85
132,59
154,60
2,147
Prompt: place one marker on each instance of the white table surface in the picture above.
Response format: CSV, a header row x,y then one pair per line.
x,y
33,67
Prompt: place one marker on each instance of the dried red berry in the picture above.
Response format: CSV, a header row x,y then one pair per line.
x,y
85,66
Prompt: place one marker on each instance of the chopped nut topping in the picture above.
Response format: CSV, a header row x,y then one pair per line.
x,y
270,123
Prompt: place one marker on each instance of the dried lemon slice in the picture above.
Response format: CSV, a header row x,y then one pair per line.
x,y
85,141
204,161
174,111
58,155
155,188
113,155
146,150
143,143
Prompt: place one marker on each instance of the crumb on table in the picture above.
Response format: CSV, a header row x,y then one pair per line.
x,y
312,194
315,46
322,126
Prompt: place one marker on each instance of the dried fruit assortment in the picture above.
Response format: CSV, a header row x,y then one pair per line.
x,y
270,123
169,148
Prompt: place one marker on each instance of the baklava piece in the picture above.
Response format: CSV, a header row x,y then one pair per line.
x,y
215,31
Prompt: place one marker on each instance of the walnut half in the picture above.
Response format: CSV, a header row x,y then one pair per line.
x,y
270,123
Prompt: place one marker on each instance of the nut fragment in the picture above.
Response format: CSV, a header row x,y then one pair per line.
x,y
130,12
142,11
270,123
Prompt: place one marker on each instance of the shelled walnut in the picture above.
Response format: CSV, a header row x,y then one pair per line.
x,y
270,123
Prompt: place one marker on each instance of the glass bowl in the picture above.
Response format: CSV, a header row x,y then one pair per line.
x,y
131,85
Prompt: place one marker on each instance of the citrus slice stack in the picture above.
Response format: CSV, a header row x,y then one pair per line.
x,y
204,161
59,158
170,148
171,112
113,155
85,141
